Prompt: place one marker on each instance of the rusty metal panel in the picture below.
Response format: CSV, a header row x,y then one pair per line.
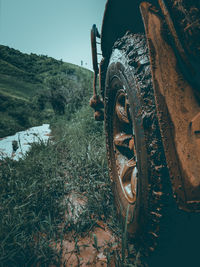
x,y
178,111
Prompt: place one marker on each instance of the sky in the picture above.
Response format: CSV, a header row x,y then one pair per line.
x,y
56,28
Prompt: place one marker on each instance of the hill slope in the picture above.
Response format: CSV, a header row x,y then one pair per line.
x,y
33,88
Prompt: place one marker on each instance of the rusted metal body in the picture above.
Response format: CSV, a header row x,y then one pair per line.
x,y
178,108
176,86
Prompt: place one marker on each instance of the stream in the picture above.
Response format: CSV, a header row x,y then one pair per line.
x,y
17,145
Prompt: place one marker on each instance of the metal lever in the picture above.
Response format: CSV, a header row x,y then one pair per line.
x,y
95,102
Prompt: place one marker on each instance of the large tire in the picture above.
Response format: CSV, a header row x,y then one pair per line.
x,y
162,234
133,135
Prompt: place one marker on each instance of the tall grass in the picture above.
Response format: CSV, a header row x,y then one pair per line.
x,y
86,166
34,192
30,206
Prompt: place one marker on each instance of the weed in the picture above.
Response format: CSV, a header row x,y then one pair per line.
x,y
37,210
85,165
30,193
33,190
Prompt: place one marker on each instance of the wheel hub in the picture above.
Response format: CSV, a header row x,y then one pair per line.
x,y
124,146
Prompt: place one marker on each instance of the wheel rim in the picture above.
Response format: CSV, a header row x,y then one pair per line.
x,y
124,146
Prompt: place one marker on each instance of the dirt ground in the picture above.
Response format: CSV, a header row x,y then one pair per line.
x,y
92,248
84,252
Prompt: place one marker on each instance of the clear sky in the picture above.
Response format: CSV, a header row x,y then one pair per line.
x,y
57,28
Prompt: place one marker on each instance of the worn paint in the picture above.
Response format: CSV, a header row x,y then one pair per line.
x,y
177,105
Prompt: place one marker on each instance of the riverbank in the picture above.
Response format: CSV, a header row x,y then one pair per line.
x,y
16,146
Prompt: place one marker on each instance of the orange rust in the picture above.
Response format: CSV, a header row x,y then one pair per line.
x,y
131,144
122,141
173,32
99,115
178,113
96,103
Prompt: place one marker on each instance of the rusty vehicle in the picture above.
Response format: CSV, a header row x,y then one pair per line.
x,y
150,92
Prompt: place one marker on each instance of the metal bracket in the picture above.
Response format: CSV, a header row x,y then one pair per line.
x,y
95,102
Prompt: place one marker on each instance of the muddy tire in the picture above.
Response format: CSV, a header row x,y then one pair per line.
x,y
135,153
162,234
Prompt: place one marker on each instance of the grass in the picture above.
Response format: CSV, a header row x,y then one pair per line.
x,y
17,87
34,192
16,97
86,166
30,193
35,85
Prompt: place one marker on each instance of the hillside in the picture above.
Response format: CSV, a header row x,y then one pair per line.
x,y
39,193
33,88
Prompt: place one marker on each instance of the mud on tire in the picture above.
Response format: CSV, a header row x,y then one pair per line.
x,y
162,234
129,72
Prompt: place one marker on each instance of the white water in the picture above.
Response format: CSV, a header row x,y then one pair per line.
x,y
24,139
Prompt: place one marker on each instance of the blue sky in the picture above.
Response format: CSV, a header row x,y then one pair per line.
x,y
57,28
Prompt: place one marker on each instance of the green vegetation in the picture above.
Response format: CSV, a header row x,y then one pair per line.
x,y
35,88
35,192
32,191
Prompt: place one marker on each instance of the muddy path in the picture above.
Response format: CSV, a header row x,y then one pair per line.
x,y
94,247
88,250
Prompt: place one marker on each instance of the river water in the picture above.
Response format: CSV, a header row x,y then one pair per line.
x,y
23,141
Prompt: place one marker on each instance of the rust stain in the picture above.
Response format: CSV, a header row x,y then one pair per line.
x,y
182,150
